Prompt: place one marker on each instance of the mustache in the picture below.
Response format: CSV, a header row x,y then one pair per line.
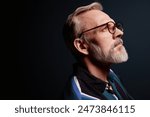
x,y
117,42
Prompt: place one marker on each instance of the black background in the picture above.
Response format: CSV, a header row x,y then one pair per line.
x,y
39,63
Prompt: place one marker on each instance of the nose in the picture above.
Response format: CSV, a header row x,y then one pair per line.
x,y
118,34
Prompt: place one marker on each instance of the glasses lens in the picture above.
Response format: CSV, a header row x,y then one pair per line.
x,y
119,26
111,27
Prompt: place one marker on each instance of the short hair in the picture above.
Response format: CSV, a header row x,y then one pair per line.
x,y
73,26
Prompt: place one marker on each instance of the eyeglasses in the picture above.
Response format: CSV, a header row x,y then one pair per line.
x,y
111,26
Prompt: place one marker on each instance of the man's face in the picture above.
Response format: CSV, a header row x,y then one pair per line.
x,y
103,45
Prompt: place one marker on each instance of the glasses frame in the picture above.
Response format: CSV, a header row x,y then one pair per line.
x,y
116,25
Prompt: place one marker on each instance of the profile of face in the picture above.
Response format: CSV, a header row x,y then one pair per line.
x,y
105,43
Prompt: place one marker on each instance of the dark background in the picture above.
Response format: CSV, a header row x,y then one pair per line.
x,y
39,62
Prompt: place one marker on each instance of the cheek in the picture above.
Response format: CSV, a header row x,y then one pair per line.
x,y
106,46
105,41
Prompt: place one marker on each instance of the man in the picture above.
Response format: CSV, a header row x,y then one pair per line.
x,y
96,41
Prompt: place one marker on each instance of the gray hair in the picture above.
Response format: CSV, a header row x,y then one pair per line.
x,y
74,26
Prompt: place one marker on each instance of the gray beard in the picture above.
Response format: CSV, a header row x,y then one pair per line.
x,y
110,57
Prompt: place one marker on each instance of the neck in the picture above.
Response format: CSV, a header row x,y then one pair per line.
x,y
99,70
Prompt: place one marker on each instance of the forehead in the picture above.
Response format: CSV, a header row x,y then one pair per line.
x,y
94,17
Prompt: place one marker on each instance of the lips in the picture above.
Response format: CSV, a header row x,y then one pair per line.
x,y
118,42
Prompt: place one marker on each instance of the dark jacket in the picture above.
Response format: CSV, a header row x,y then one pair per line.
x,y
75,90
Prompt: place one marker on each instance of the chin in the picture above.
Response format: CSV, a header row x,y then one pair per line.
x,y
120,58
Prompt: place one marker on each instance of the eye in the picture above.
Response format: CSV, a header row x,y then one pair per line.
x,y
104,28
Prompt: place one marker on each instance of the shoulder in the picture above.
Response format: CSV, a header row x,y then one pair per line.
x,y
73,91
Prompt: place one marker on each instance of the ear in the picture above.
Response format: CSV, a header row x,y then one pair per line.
x,y
81,46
